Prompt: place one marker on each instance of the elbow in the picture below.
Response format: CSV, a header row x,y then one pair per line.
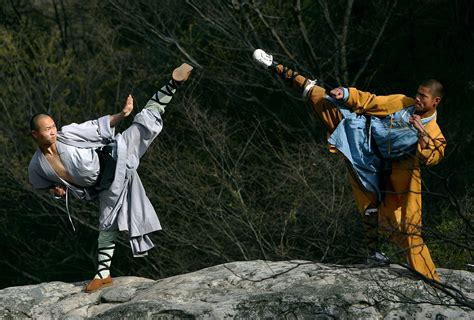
x,y
432,162
434,159
430,157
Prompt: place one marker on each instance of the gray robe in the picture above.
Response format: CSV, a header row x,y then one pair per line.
x,y
124,205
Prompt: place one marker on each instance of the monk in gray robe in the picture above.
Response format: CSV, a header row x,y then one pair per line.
x,y
90,161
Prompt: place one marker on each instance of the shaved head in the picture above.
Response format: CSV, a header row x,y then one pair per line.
x,y
35,118
437,89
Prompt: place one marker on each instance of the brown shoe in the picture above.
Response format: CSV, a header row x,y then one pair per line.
x,y
97,284
181,73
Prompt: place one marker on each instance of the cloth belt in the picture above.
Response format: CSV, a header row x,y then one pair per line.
x,y
107,168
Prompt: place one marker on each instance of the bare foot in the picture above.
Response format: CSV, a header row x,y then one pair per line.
x,y
181,73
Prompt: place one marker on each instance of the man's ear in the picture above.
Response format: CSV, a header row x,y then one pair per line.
x,y
437,100
34,134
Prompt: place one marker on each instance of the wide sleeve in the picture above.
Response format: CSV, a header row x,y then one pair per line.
x,y
380,106
90,131
434,151
35,175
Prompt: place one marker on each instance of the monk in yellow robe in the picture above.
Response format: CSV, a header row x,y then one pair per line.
x,y
403,133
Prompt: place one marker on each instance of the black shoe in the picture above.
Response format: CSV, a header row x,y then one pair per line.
x,y
377,259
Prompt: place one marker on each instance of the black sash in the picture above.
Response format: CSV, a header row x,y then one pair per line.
x,y
107,168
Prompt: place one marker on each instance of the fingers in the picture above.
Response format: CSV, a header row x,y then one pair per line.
x,y
127,109
415,120
129,100
337,93
58,191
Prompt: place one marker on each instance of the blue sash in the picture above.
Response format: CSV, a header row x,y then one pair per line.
x,y
394,137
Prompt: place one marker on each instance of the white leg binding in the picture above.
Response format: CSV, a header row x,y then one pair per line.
x,y
105,259
162,97
368,212
309,86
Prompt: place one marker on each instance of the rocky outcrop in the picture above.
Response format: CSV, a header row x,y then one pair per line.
x,y
253,290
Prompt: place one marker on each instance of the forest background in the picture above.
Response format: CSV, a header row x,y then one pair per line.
x,y
241,170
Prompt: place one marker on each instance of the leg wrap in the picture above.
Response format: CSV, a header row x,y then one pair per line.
x,y
294,79
370,221
105,253
105,259
162,97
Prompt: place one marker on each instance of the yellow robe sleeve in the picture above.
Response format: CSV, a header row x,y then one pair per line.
x,y
434,151
380,106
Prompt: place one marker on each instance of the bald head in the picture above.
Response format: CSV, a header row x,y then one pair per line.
x,y
36,118
43,130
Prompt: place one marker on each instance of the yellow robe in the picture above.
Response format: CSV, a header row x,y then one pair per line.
x,y
400,211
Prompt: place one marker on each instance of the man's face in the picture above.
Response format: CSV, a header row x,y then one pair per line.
x,y
425,101
45,133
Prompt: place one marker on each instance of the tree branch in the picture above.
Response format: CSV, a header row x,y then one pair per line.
x,y
374,44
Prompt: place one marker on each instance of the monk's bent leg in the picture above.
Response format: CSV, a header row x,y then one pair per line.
x,y
367,204
405,221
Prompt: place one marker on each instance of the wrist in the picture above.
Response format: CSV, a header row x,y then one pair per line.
x,y
345,94
421,134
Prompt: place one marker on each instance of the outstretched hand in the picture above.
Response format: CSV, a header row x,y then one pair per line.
x,y
337,93
128,107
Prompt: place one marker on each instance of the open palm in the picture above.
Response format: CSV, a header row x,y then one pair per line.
x,y
128,107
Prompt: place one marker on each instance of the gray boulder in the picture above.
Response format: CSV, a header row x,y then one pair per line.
x,y
254,290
